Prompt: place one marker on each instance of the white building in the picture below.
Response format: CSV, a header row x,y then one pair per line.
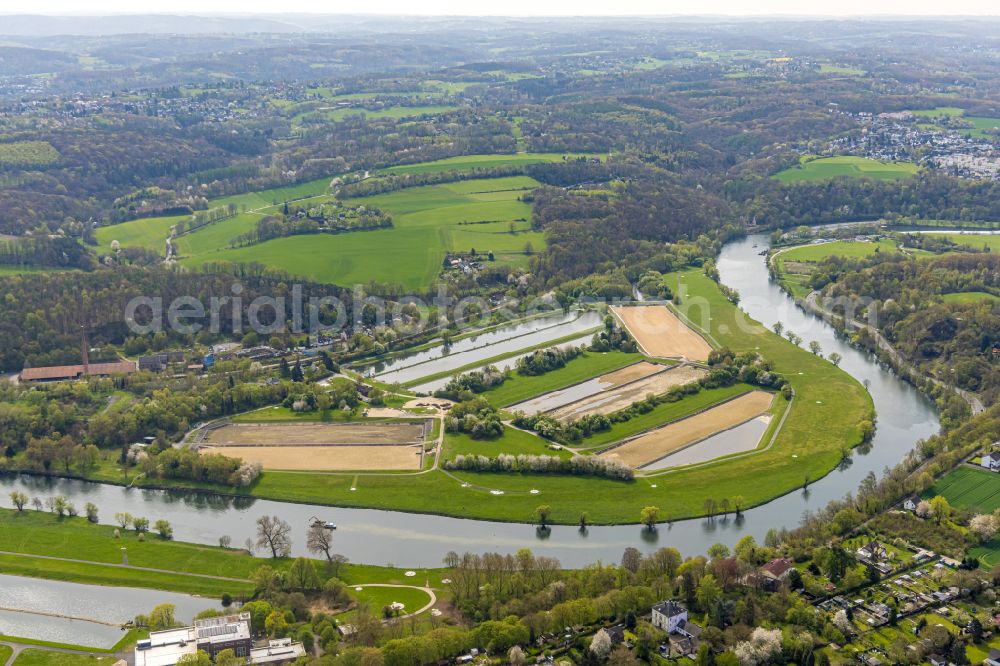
x,y
991,461
668,615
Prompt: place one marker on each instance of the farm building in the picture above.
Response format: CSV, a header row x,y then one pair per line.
x,y
58,373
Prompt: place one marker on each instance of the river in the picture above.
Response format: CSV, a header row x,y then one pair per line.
x,y
87,614
402,539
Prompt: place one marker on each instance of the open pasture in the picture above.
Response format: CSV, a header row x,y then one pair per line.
x,y
147,232
427,223
613,399
846,165
656,444
660,333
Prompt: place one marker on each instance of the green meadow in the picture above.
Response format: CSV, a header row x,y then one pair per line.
x,y
846,165
969,487
965,297
427,222
849,249
989,242
148,232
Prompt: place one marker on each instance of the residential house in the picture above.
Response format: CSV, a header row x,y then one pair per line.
x,y
993,658
685,640
775,572
911,502
991,461
667,615
873,551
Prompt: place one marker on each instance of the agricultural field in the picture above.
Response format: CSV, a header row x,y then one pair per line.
x,y
389,446
664,413
484,214
618,396
969,487
661,333
856,167
670,438
23,154
150,233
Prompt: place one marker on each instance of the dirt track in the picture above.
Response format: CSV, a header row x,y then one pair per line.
x,y
612,400
318,458
660,333
658,443
292,434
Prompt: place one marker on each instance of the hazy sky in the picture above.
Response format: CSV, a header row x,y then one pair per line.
x,y
513,7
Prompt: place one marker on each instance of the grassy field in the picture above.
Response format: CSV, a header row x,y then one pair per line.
x,y
823,421
856,167
513,441
794,264
984,128
376,598
468,162
38,657
275,196
30,534
838,69
148,232
978,242
215,236
977,489
427,222
591,364
394,112
38,533
970,297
